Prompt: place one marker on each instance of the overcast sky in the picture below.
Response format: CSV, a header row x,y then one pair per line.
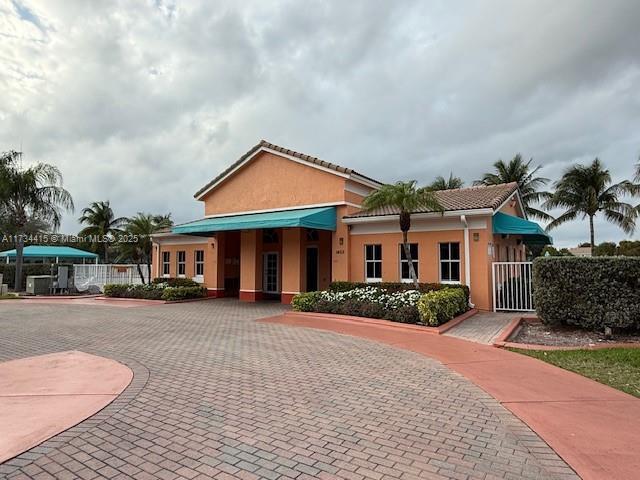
x,y
143,102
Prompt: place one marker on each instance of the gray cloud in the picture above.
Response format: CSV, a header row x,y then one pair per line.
x,y
143,102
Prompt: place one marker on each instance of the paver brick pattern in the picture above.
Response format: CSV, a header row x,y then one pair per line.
x,y
218,395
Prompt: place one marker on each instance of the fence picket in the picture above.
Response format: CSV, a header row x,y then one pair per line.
x,y
99,275
512,286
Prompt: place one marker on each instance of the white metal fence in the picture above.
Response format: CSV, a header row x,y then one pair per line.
x,y
513,286
86,277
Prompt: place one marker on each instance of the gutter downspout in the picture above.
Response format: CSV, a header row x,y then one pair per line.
x,y
467,257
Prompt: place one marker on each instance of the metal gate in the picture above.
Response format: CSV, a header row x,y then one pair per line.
x,y
513,286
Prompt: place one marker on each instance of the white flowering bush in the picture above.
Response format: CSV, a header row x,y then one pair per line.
x,y
387,300
368,301
434,305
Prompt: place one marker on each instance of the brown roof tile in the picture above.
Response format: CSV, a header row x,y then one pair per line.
x,y
286,151
469,198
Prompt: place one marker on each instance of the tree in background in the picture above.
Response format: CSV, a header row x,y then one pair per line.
x,y
551,251
406,198
101,223
586,190
530,185
136,246
606,249
30,198
441,183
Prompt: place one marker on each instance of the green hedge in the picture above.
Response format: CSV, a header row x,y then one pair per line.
x,y
172,294
145,292
176,282
8,270
591,293
305,302
440,306
154,292
392,287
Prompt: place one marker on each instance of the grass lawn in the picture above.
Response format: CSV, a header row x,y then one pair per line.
x,y
617,367
9,297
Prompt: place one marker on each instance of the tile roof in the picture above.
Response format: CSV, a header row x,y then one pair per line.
x,y
469,198
286,151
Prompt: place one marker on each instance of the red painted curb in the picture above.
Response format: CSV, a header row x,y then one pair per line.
x,y
383,323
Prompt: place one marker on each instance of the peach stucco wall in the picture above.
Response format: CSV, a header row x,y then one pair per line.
x,y
270,182
428,263
189,249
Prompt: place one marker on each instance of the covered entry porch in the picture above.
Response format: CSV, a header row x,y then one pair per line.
x,y
268,255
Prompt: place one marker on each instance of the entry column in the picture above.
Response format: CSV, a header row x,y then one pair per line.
x,y
292,265
250,266
214,268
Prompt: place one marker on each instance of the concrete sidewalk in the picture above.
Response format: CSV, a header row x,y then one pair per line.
x,y
483,327
594,428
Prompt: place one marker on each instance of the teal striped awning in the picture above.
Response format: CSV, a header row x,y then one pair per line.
x,y
531,232
322,218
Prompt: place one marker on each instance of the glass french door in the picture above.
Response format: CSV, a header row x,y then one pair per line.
x,y
270,277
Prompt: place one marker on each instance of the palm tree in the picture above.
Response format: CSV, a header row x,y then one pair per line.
x,y
441,183
406,198
101,223
137,247
585,191
521,172
28,195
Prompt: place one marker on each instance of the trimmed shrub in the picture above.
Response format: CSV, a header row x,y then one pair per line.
x,y
145,292
117,291
394,287
176,282
440,306
591,293
171,294
305,302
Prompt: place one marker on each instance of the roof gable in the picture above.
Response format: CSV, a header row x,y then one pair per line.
x,y
264,146
458,199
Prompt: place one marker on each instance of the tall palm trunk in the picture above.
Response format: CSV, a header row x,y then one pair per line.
x,y
140,272
19,260
106,252
592,235
405,225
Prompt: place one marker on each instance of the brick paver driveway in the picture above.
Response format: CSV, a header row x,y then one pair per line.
x,y
218,395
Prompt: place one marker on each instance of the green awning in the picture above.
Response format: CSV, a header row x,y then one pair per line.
x,y
323,218
531,232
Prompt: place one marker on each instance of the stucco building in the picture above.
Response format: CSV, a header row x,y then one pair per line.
x,y
278,222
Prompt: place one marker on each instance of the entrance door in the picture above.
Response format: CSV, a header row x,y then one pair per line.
x,y
312,269
270,276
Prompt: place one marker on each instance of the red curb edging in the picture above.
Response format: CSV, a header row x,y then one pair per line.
x,y
512,329
384,323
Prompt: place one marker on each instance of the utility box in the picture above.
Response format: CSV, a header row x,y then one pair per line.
x,y
39,284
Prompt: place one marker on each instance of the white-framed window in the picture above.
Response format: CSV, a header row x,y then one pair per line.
x,y
199,263
450,262
166,264
404,263
182,263
373,263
